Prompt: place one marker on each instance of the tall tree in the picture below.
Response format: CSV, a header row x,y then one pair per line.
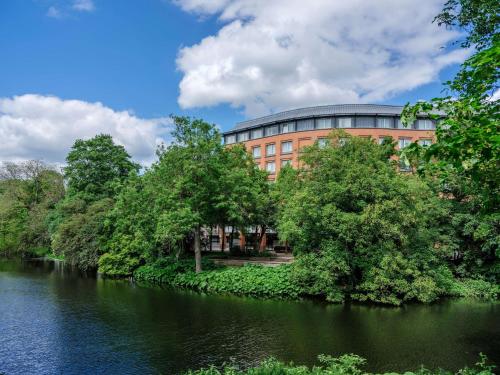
x,y
96,166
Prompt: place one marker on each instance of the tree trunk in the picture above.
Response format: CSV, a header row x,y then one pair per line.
x,y
231,236
210,238
222,239
197,249
263,239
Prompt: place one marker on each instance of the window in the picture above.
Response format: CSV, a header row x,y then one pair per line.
x,y
323,142
286,147
324,123
287,127
343,141
271,167
242,137
425,142
256,152
271,130
305,124
404,142
270,149
257,133
286,162
365,122
383,139
400,125
384,123
425,125
345,122
230,139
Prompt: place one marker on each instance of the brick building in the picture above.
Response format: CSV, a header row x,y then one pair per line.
x,y
275,140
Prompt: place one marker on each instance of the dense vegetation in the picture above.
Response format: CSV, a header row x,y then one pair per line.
x,y
359,228
348,364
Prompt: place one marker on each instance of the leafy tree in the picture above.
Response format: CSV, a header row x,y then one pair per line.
x,y
464,163
352,210
29,192
95,167
96,171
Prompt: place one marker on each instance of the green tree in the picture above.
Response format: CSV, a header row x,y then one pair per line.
x,y
464,163
351,210
95,167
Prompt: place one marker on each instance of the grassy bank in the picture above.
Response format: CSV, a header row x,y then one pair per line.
x,y
249,280
270,282
348,364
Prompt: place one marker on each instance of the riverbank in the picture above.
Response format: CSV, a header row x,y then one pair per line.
x,y
280,282
348,364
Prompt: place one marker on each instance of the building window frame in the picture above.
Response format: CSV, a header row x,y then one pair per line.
x,y
268,145
285,162
404,142
258,131
254,149
273,169
343,123
287,142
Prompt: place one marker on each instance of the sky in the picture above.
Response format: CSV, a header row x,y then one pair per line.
x,y
74,68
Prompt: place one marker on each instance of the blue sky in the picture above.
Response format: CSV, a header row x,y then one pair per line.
x,y
151,58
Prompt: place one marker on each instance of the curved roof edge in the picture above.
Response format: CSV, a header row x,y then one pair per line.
x,y
324,110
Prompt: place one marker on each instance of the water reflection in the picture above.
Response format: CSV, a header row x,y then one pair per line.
x,y
62,321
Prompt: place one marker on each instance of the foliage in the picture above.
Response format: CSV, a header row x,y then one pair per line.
x,y
464,163
79,237
360,220
95,167
347,364
475,289
250,280
29,192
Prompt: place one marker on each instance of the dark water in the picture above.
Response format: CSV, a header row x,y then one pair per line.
x,y
56,321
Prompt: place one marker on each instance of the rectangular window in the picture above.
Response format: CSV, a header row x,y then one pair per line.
x,y
286,162
345,122
384,122
425,142
256,152
270,149
271,167
257,133
242,137
404,142
425,125
324,123
305,124
365,122
343,141
286,147
271,130
230,139
400,125
323,142
287,127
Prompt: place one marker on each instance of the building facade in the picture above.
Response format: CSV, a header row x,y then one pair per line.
x,y
275,140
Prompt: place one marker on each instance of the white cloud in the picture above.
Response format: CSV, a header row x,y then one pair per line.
x,y
54,12
83,5
275,55
45,127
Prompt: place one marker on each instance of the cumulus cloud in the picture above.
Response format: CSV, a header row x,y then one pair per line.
x,y
275,55
53,12
45,127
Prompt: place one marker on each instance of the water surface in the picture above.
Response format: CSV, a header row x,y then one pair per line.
x,y
55,320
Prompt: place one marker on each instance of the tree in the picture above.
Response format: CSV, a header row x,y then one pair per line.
x,y
29,192
351,210
464,164
96,171
95,167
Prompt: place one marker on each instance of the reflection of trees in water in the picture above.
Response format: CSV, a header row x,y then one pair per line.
x,y
116,325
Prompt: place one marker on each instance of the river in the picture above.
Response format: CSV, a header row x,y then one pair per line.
x,y
56,320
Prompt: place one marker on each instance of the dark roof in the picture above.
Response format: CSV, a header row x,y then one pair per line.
x,y
324,110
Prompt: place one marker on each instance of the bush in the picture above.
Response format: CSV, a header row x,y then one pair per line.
x,y
475,289
348,364
251,280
